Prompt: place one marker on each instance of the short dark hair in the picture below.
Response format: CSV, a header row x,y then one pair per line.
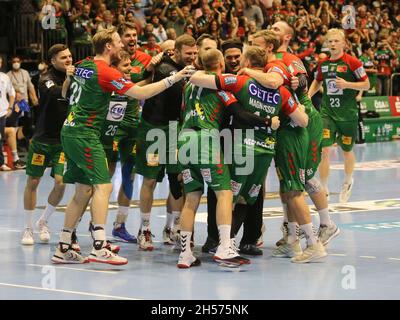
x,y
184,40
55,49
124,26
231,43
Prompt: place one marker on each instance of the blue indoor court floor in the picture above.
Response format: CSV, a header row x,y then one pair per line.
x,y
363,261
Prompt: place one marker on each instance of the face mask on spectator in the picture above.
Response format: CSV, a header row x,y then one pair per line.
x,y
16,65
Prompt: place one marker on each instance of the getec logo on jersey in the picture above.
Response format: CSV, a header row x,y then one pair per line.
x,y
332,89
267,96
84,73
116,111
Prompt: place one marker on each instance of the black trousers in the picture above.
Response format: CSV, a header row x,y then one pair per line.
x,y
251,216
2,137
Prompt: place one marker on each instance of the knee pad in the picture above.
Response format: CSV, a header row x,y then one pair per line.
x,y
127,181
313,186
175,185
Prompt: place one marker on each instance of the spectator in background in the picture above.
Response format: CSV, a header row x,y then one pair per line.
x,y
175,18
6,105
139,12
159,30
130,17
107,22
203,22
82,27
171,34
253,13
369,63
384,56
151,47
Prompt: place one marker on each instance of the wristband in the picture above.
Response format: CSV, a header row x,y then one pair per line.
x,y
169,81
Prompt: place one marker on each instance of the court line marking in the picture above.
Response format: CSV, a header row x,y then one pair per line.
x,y
68,291
368,257
69,268
396,259
337,254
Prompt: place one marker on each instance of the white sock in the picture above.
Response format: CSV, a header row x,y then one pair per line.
x,y
310,236
324,217
185,242
15,155
285,218
169,222
122,212
145,221
348,178
65,236
99,235
177,219
224,235
47,212
29,218
292,236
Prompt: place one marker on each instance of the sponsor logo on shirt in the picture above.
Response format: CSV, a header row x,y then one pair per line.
x,y
302,175
116,111
331,87
49,84
291,102
230,80
119,84
224,95
84,73
324,69
267,96
347,140
326,134
341,69
360,72
61,159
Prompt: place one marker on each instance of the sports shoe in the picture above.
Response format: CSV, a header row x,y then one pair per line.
x,y
65,254
287,250
260,240
121,234
5,167
311,253
74,242
27,237
105,255
168,237
44,232
250,249
145,240
19,164
186,261
285,232
327,233
229,257
210,246
345,193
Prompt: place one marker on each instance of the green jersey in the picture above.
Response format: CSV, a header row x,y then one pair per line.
x,y
91,89
340,104
117,108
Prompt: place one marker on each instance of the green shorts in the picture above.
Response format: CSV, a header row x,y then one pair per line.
x,y
124,145
86,161
342,132
314,129
290,158
249,186
202,164
40,155
155,156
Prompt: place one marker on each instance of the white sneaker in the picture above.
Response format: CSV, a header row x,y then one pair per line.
x,y
260,240
327,233
311,254
68,256
5,167
186,261
27,237
44,231
285,233
145,239
229,257
287,250
345,193
168,237
105,255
